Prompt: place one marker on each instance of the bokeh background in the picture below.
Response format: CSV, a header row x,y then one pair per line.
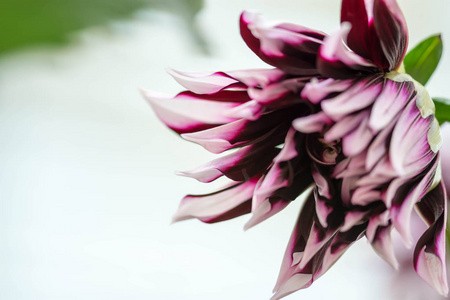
x,y
87,184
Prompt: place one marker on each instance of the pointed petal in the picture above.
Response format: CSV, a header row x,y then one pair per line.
x,y
317,90
257,77
382,244
390,25
202,83
243,132
186,113
287,178
407,197
318,237
355,12
213,207
297,242
410,151
341,242
429,255
289,47
393,98
238,166
337,61
358,140
359,96
312,123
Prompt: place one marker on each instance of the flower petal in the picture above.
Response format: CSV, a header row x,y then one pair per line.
x,y
390,25
243,132
289,47
337,61
232,201
359,96
429,254
317,90
406,197
393,98
187,113
382,244
202,83
287,178
238,166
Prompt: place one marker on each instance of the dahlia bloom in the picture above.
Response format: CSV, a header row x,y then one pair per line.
x,y
336,113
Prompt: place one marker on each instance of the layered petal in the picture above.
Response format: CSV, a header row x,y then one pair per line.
x,y
230,202
337,61
289,47
430,252
378,32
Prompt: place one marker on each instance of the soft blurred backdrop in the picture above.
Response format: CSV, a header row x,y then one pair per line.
x,y
87,184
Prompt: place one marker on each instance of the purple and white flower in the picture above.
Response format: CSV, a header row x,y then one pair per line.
x,y
334,112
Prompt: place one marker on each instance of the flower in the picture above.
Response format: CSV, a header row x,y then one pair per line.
x,y
336,112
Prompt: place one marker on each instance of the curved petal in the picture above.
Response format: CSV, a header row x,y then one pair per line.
x,y
289,47
238,166
359,96
202,83
429,254
378,31
317,90
382,244
230,202
187,113
337,61
390,25
240,133
287,178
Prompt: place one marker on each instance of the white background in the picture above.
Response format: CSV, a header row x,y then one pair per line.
x,y
87,188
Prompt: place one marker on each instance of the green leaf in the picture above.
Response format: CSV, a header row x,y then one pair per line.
x,y
442,109
30,22
421,61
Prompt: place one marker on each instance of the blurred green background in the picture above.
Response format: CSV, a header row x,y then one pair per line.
x,y
25,23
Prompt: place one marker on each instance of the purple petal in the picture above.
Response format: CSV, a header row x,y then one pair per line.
x,y
378,149
238,166
289,47
429,254
317,238
365,194
358,140
243,132
357,97
186,113
344,126
232,201
390,25
410,151
353,218
393,98
295,249
355,12
312,123
382,244
287,178
380,220
317,90
337,61
257,77
378,31
202,83
341,242
273,92
405,199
